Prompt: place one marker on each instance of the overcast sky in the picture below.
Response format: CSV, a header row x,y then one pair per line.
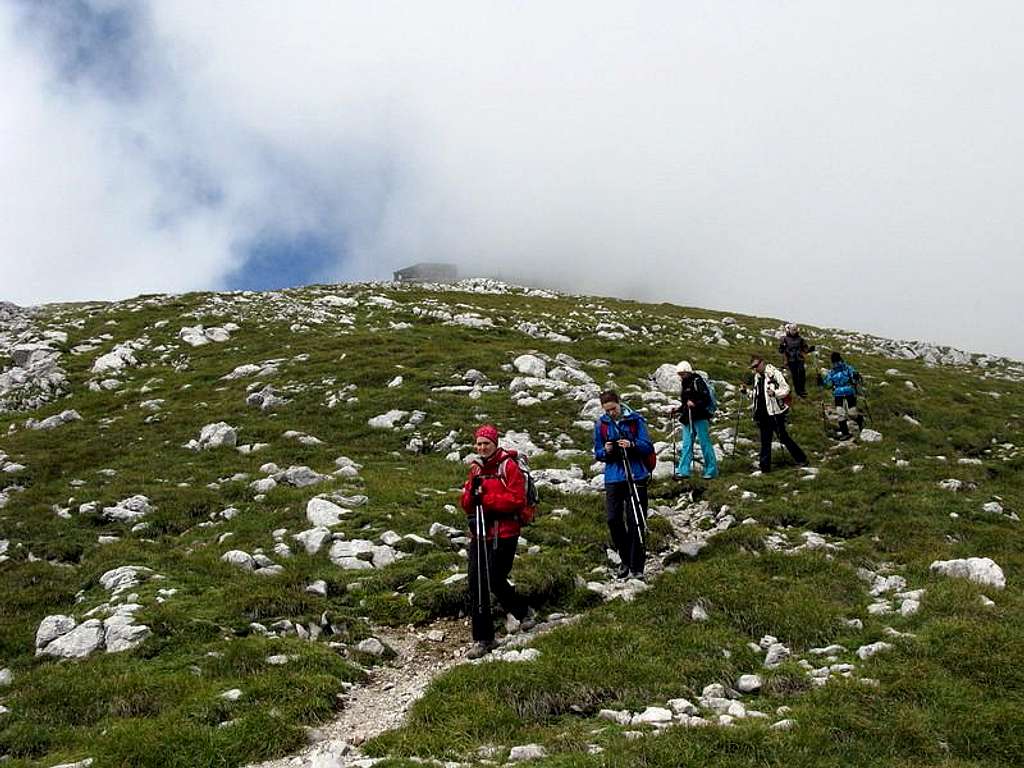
x,y
856,164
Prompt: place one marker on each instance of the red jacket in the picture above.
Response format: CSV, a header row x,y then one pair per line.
x,y
504,495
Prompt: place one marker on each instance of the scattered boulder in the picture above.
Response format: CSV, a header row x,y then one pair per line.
x,y
980,570
531,365
323,513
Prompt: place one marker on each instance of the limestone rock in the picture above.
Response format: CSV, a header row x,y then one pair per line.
x,y
323,513
525,752
217,435
980,570
239,559
78,643
531,365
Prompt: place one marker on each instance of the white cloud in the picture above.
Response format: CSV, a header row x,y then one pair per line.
x,y
827,163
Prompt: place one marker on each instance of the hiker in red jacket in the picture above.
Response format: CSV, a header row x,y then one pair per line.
x,y
493,497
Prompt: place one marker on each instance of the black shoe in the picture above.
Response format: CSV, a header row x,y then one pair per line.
x,y
638,575
622,572
480,649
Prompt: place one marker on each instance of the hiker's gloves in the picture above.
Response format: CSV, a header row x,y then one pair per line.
x,y
478,486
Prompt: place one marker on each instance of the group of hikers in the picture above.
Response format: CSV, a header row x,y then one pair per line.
x,y
498,496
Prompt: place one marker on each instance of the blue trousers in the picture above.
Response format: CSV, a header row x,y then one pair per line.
x,y
686,460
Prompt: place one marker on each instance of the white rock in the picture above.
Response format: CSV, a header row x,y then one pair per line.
x,y
870,436
775,655
323,513
867,651
683,707
217,435
749,683
117,580
318,587
53,627
395,383
981,570
6,677
78,643
387,420
992,507
313,539
299,476
525,752
129,510
239,559
266,485
783,725
666,379
121,634
232,695
652,715
371,646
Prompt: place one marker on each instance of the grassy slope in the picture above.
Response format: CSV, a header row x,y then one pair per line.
x,y
953,696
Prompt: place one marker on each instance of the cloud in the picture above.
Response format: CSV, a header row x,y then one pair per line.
x,y
828,164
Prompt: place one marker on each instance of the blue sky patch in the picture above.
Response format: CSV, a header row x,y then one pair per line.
x,y
279,261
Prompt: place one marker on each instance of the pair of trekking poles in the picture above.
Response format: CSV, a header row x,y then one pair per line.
x,y
483,564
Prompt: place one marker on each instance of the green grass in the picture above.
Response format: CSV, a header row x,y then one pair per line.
x,y
950,697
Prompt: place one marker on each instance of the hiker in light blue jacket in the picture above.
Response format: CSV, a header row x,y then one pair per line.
x,y
842,380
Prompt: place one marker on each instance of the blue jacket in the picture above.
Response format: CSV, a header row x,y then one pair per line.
x,y
631,423
842,379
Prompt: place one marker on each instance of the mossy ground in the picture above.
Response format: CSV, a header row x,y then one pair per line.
x,y
952,697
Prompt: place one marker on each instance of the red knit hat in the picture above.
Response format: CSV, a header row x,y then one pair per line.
x,y
488,432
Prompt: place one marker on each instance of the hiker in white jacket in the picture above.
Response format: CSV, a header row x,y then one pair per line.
x,y
768,399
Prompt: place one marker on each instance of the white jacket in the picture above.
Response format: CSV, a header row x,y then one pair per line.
x,y
775,388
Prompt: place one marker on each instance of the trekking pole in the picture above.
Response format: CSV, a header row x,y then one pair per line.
x,y
867,408
693,439
736,426
824,420
634,500
481,558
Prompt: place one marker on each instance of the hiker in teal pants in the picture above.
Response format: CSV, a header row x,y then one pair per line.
x,y
695,415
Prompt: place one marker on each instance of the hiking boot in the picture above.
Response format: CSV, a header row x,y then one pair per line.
x,y
480,649
622,572
637,575
529,621
843,435
708,477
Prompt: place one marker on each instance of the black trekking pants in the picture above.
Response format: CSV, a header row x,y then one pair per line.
x,y
799,374
496,557
772,425
622,523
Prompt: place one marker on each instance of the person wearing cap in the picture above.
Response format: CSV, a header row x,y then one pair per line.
x,y
695,415
495,492
794,349
842,380
769,411
620,439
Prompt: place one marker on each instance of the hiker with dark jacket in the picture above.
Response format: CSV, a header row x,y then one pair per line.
x,y
768,403
695,415
794,348
621,440
494,493
842,379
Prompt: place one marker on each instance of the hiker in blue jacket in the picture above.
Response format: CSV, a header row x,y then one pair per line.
x,y
695,415
842,380
621,440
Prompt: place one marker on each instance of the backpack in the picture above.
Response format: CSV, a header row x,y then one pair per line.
x,y
712,398
650,460
529,512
